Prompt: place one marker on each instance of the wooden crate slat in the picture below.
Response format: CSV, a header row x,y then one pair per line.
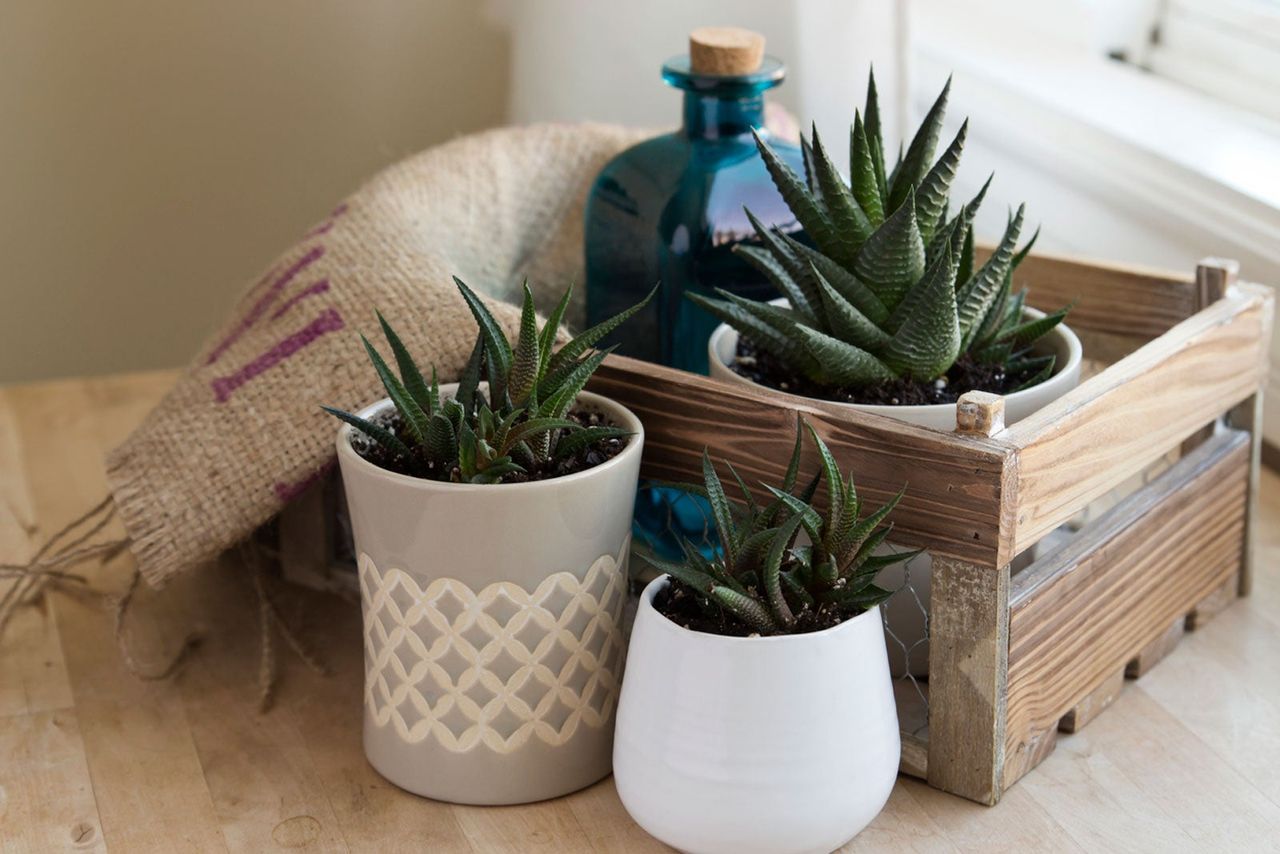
x,y
1079,615
1114,424
1124,302
957,485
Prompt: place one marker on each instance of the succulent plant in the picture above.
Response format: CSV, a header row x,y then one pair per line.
x,y
761,576
520,427
891,290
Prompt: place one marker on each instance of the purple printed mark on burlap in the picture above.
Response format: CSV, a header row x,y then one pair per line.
x,y
264,302
310,290
287,491
323,228
328,321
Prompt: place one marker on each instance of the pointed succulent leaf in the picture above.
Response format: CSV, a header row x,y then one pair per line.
x,y
928,341
466,451
527,357
760,333
765,261
410,376
866,526
864,180
976,298
526,430
810,177
497,348
875,139
892,259
835,485
964,272
1039,376
850,226
747,498
781,248
855,292
797,196
797,591
442,442
845,321
561,392
415,420
810,518
770,572
695,578
580,343
1025,334
382,436
863,600
547,338
856,566
720,510
915,163
935,189
496,470
840,363
745,608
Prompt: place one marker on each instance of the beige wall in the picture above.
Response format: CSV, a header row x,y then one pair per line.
x,y
155,156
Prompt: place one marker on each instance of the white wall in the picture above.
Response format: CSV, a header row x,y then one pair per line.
x,y
575,60
155,156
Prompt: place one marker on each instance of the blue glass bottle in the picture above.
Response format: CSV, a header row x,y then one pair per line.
x,y
670,210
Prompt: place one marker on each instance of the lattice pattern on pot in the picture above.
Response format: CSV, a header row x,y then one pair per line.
x,y
495,667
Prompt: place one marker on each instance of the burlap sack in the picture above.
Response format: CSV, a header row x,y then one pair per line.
x,y
241,433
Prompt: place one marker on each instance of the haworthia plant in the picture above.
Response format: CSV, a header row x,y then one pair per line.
x,y
892,288
520,425
762,575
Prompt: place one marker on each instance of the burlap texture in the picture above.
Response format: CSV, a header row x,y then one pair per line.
x,y
241,433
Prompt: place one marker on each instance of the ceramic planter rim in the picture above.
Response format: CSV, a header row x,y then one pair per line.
x,y
1075,355
634,444
651,590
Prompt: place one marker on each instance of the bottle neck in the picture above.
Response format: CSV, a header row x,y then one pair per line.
x,y
719,117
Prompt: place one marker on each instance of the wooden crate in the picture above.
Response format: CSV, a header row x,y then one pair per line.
x,y
1015,657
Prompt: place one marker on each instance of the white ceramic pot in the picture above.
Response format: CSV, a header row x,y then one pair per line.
x,y
492,623
905,618
740,745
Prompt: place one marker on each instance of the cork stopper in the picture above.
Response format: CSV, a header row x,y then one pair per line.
x,y
725,51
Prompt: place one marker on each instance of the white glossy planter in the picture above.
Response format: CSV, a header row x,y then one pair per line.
x,y
904,617
742,745
492,623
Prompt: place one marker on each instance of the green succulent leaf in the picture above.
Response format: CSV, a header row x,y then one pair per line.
x,y
765,261
845,321
410,376
976,298
840,363
763,334
441,440
527,359
893,259
497,348
547,338
845,283
415,420
935,189
1027,333
749,610
770,573
866,171
928,341
720,510
571,443
797,196
383,437
582,342
850,226
875,139
915,163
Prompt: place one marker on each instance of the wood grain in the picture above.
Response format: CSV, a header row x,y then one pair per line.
x,y
1084,612
956,496
1115,299
968,649
1093,704
1114,424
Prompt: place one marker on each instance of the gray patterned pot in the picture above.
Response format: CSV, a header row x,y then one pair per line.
x,y
492,624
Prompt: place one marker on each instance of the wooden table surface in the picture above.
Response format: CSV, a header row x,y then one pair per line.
x,y
91,758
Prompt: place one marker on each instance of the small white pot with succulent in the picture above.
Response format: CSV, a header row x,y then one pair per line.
x,y
492,524
757,712
888,311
